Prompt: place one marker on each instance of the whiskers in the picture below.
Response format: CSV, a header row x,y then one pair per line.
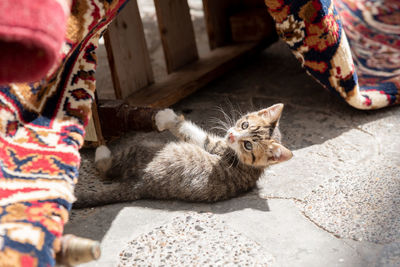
x,y
222,124
227,120
235,111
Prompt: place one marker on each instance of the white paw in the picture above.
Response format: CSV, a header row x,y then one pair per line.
x,y
102,152
165,119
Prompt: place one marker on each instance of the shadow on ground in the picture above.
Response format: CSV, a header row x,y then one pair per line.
x,y
103,216
312,115
344,176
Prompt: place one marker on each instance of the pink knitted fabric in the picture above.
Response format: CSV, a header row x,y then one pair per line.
x,y
31,35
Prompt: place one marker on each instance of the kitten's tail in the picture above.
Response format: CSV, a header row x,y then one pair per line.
x,y
103,159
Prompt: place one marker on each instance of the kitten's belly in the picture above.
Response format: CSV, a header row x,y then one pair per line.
x,y
185,171
182,158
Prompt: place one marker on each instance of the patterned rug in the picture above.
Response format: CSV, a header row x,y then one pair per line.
x,y
41,130
42,123
357,58
373,31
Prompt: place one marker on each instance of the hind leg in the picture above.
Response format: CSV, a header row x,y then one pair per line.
x,y
103,159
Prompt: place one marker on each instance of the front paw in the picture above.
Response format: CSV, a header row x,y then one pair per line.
x,y
166,119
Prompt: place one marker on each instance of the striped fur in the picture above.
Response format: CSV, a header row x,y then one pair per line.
x,y
201,167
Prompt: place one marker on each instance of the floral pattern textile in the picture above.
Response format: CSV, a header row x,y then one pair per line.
x,y
352,47
41,129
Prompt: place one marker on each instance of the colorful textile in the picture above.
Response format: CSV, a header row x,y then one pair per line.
x,y
41,130
42,123
367,76
31,36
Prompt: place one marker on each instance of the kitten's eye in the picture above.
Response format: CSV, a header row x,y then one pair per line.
x,y
245,125
248,145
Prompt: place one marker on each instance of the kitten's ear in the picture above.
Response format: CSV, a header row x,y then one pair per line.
x,y
272,113
281,153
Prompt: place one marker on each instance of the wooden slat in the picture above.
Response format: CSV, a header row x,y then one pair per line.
x,y
118,118
253,4
177,33
93,129
216,13
252,25
127,52
182,83
90,130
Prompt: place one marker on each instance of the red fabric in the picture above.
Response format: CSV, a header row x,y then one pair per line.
x,y
31,35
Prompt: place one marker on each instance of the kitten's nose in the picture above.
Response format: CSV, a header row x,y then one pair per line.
x,y
231,138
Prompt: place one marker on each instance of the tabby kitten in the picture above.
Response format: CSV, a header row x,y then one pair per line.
x,y
201,166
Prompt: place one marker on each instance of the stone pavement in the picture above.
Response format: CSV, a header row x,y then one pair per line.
x,y
335,203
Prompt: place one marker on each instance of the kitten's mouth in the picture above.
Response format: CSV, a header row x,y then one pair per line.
x,y
231,138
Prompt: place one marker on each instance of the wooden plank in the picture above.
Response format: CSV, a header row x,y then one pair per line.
x,y
117,118
177,34
127,52
90,132
97,123
184,82
252,25
217,13
253,4
93,133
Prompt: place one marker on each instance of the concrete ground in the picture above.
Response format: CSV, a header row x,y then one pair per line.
x,y
335,203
